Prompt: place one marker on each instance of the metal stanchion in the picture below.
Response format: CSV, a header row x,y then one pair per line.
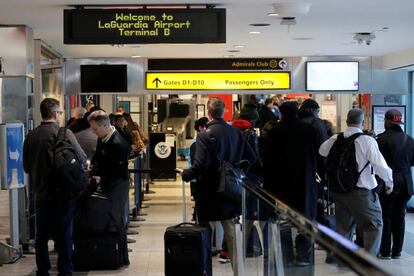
x,y
184,205
137,195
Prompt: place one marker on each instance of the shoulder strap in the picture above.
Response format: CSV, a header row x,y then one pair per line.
x,y
61,134
354,136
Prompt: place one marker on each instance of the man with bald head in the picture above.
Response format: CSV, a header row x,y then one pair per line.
x,y
360,206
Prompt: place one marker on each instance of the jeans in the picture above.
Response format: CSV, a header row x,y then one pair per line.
x,y
53,218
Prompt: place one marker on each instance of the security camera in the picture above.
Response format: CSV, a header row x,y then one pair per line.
x,y
368,42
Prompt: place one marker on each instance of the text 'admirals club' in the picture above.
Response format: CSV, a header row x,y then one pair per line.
x,y
143,25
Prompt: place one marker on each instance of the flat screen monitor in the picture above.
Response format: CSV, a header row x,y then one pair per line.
x,y
104,78
332,76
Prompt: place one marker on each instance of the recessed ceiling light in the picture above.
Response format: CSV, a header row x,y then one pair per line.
x,y
239,46
134,56
259,24
228,56
303,38
254,33
272,14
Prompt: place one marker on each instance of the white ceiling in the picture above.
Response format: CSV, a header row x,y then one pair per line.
x,y
330,22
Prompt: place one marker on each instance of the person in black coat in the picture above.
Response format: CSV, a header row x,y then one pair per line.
x,y
199,126
289,158
220,139
110,169
53,215
266,114
398,150
308,113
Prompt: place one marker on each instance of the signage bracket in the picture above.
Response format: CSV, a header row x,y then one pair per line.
x,y
145,6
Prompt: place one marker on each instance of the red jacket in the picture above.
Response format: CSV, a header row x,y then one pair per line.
x,y
242,124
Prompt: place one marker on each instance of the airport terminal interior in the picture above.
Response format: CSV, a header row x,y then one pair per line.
x,y
155,67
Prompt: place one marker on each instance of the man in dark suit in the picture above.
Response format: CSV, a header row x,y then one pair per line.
x,y
110,168
398,150
220,139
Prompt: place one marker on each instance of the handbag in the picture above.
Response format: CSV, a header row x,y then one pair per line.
x,y
231,178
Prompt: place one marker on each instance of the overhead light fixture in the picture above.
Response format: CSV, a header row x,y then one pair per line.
x,y
259,24
272,14
303,38
135,56
254,32
289,21
228,56
239,46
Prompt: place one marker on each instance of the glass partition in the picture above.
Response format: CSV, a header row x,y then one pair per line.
x,y
279,241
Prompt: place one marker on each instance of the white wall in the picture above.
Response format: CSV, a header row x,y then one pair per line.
x,y
398,59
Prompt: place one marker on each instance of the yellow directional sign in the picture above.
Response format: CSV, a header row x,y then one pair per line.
x,y
217,80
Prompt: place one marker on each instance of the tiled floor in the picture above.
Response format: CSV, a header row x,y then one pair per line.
x,y
165,209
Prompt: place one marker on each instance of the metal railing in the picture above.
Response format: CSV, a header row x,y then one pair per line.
x,y
349,254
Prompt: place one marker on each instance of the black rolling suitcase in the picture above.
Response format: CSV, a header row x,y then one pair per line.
x,y
187,250
103,252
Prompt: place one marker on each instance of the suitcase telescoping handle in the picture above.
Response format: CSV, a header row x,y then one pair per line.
x,y
185,224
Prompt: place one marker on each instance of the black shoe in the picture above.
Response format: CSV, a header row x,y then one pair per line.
x,y
396,256
410,209
302,261
383,256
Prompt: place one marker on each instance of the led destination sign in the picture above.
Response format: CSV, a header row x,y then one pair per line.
x,y
217,81
144,26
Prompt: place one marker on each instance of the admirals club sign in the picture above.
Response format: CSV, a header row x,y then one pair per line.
x,y
144,26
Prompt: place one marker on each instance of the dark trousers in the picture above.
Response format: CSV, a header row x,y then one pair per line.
x,y
53,218
393,216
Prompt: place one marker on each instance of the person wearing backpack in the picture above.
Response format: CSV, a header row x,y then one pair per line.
x,y
52,212
398,150
352,160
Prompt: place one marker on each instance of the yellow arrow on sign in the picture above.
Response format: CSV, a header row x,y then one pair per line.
x,y
217,80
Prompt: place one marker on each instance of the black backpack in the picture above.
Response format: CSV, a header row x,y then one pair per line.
x,y
342,168
68,174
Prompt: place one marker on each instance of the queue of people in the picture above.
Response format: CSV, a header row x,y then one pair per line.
x,y
285,159
103,152
292,153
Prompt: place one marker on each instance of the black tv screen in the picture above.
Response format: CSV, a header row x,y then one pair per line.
x,y
104,78
332,76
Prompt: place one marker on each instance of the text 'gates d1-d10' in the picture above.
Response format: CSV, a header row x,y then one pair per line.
x,y
217,80
144,26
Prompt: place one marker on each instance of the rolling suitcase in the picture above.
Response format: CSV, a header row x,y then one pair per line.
x,y
187,250
103,252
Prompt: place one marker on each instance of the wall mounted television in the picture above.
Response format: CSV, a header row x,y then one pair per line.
x,y
104,78
332,76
